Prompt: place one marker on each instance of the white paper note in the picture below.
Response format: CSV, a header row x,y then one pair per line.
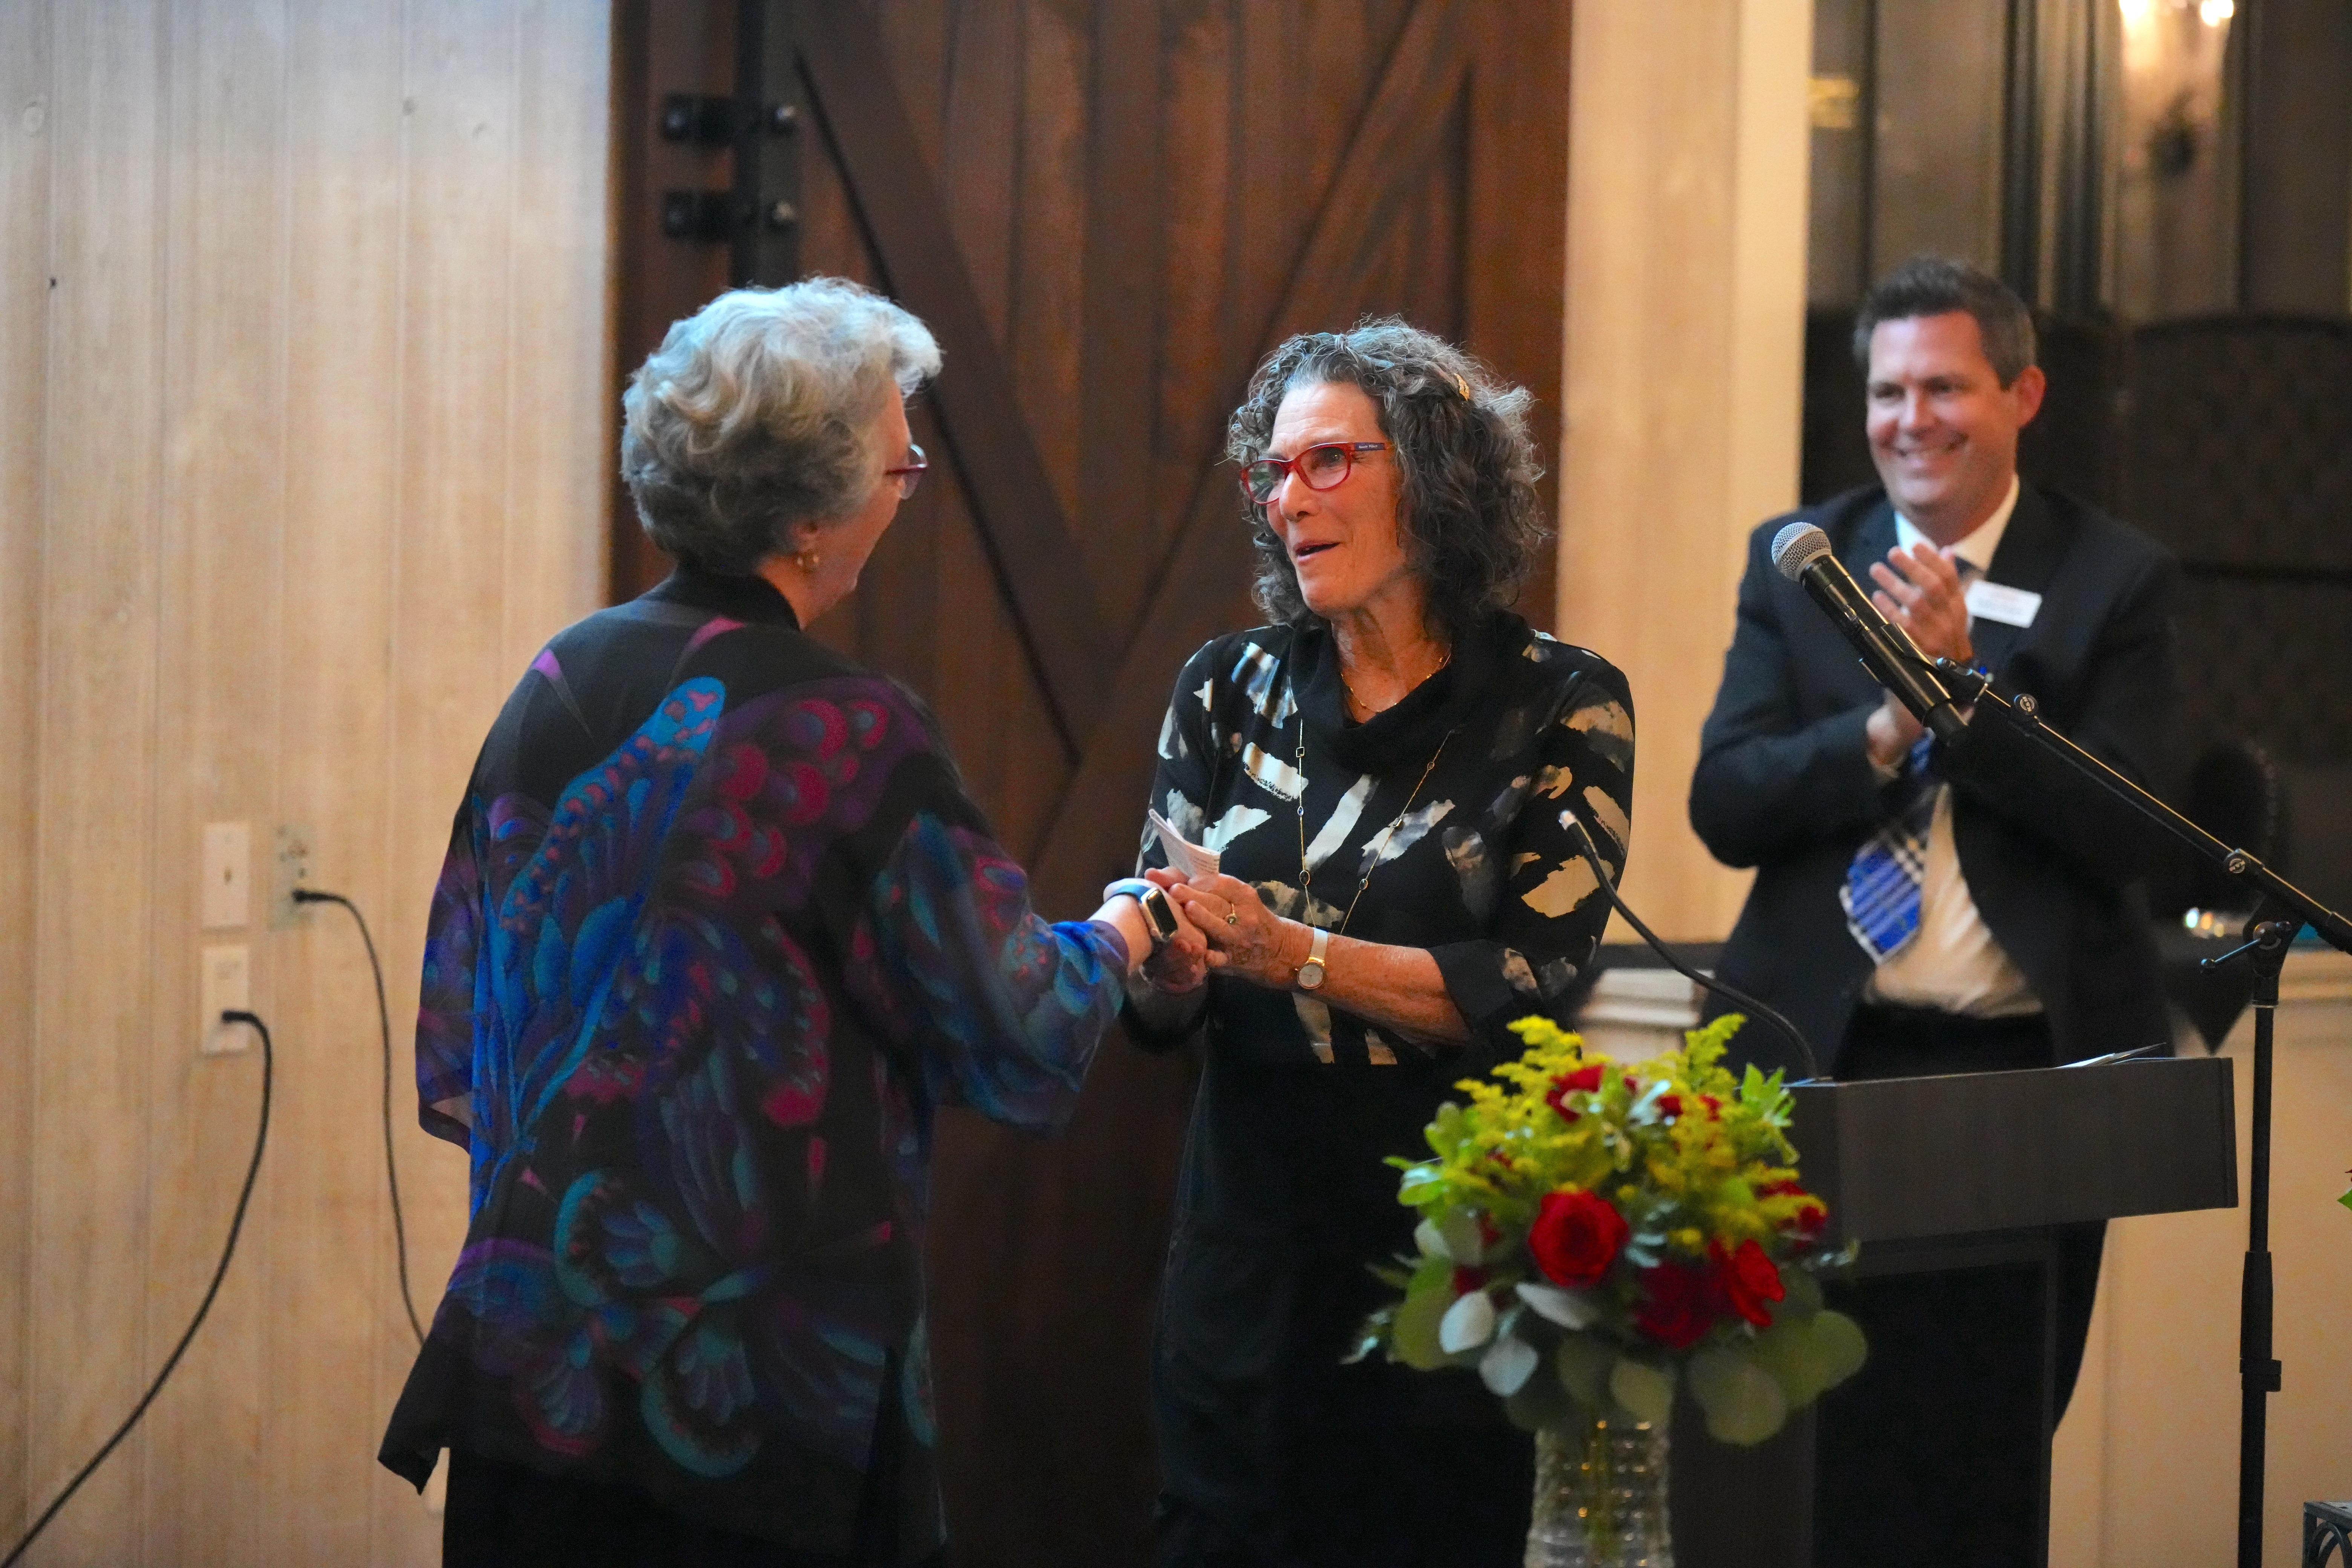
x,y
1187,859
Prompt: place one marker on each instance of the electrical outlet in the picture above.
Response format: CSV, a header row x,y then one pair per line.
x,y
227,875
290,867
226,985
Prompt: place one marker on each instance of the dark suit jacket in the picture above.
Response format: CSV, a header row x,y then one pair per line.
x,y
1784,781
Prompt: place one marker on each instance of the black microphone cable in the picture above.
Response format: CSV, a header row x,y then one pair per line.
x,y
235,1226
390,1165
1723,988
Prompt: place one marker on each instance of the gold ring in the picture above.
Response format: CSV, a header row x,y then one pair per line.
x,y
1233,917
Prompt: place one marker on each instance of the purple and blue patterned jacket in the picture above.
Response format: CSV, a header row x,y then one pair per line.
x,y
717,933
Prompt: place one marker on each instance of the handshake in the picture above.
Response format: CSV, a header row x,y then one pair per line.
x,y
1203,920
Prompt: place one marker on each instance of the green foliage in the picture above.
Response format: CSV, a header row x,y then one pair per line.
x,y
1697,1165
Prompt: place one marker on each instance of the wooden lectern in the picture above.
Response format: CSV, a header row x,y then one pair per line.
x,y
1967,1171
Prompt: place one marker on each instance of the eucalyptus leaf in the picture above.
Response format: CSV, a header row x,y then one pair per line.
x,y
1843,1348
1788,1352
1644,1392
1467,1324
1584,1362
1507,1364
1541,1401
1426,1238
1804,1297
1465,1240
1744,1403
1412,1338
1569,1308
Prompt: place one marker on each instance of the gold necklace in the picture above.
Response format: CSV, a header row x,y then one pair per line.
x,y
1357,701
1372,856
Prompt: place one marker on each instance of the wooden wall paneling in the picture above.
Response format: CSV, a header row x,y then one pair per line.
x,y
663,46
99,667
559,355
25,156
1120,277
222,156
1054,274
1514,188
449,669
336,1311
898,202
1198,69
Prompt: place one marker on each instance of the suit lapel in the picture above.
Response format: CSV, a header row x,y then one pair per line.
x,y
2031,548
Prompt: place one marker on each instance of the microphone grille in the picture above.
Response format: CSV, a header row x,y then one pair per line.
x,y
1798,546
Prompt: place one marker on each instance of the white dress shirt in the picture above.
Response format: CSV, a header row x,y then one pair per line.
x,y
1952,964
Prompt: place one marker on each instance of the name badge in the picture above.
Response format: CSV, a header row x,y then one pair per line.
x,y
1990,600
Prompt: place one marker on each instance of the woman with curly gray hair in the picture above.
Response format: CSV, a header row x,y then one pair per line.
x,y
718,933
1387,772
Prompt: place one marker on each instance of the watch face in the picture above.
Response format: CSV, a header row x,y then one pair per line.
x,y
1310,975
1161,913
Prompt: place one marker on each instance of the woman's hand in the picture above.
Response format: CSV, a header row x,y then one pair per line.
x,y
1182,964
1245,938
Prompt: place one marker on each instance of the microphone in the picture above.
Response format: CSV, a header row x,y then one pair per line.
x,y
1803,555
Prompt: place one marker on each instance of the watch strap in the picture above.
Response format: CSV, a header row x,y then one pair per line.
x,y
1159,916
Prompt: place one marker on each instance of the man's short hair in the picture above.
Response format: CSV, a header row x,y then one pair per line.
x,y
1938,285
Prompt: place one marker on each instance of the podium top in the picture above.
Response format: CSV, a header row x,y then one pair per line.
x,y
1914,1157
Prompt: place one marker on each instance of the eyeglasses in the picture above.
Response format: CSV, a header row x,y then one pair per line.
x,y
909,474
1322,468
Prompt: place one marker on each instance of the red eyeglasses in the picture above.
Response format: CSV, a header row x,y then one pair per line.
x,y
911,473
1322,468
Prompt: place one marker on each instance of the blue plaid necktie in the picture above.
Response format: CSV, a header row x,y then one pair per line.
x,y
1882,886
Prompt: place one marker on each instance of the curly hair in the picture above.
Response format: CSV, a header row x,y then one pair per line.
x,y
754,415
1467,514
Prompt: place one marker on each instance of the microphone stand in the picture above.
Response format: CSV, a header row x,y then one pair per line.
x,y
2281,910
1755,1007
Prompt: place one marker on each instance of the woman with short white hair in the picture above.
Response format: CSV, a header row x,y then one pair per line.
x,y
717,933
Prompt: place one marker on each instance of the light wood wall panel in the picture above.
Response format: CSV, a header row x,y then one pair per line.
x,y
2146,1464
25,135
306,457
1684,375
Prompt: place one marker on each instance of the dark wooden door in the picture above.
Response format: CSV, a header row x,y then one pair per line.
x,y
1109,211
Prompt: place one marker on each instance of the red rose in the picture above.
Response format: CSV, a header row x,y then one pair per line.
x,y
1679,1305
1583,1081
1672,1104
1468,1279
1713,1107
1749,1281
1810,1216
1576,1236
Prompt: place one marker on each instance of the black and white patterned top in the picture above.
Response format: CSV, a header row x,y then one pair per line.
x,y
1284,1198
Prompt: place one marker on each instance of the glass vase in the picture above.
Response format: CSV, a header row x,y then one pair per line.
x,y
1600,1496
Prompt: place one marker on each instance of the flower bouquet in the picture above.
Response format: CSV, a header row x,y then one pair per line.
x,y
1594,1234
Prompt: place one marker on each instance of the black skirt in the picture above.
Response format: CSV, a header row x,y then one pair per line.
x,y
509,1516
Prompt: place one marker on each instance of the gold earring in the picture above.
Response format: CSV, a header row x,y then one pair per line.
x,y
807,560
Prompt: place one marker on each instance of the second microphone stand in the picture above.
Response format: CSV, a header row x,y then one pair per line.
x,y
2281,910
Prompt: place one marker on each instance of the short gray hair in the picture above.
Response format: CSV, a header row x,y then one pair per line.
x,y
752,417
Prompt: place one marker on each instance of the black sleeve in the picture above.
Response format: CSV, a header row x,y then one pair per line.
x,y
2121,715
1552,912
1768,784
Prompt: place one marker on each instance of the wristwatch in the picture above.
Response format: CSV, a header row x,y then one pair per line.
x,y
1310,974
1159,916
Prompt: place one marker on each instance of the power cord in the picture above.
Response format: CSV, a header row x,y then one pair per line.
x,y
391,1167
236,1225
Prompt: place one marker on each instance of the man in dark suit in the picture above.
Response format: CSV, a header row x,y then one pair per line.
x,y
1917,913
